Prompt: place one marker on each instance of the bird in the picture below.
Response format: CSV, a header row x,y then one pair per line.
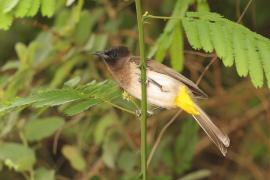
x,y
166,88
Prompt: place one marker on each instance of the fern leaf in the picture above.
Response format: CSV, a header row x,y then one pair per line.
x,y
264,51
232,42
34,8
22,8
254,64
204,36
240,53
47,7
192,33
82,97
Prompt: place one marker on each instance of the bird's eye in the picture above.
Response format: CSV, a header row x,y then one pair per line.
x,y
114,55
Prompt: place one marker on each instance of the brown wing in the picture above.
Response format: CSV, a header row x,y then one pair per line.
x,y
160,68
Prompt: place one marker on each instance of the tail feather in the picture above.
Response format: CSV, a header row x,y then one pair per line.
x,y
220,139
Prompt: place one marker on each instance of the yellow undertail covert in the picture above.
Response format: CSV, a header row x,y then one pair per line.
x,y
185,102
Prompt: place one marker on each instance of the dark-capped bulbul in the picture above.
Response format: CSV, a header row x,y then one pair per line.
x,y
165,88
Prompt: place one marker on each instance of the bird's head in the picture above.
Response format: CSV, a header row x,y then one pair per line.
x,y
114,54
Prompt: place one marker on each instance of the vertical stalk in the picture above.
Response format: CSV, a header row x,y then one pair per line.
x,y
140,21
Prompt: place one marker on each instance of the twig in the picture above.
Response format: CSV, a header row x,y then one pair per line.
x,y
206,69
94,169
244,12
198,53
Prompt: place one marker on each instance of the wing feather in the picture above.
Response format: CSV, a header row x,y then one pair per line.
x,y
160,68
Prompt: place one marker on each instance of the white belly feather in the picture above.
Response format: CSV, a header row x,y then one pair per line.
x,y
164,97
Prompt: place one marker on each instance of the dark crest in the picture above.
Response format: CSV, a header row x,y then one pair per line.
x,y
113,54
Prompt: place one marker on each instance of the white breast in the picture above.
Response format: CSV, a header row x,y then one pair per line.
x,y
164,97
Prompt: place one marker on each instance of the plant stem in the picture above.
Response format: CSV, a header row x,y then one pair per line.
x,y
140,21
162,17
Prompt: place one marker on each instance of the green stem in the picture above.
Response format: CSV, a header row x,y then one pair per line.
x,y
161,17
119,107
140,21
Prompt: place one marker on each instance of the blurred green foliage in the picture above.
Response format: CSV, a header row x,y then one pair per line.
x,y
60,118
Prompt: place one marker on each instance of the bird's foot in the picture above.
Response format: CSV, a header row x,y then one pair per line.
x,y
138,113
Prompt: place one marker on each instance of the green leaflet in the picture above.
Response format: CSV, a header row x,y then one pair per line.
x,y
74,156
192,33
22,8
102,127
254,65
218,39
227,41
47,7
83,28
81,106
56,97
110,151
129,165
9,5
265,56
240,53
202,6
64,70
5,18
17,156
38,129
33,8
44,174
204,36
5,21
164,43
177,49
21,51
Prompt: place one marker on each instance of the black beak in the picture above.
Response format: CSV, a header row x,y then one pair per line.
x,y
100,54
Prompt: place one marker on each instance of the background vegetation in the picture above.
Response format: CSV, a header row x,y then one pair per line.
x,y
60,118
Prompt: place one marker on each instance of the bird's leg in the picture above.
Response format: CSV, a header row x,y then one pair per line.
x,y
138,113
146,81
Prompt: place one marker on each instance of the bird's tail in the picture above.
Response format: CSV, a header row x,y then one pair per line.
x,y
185,102
220,139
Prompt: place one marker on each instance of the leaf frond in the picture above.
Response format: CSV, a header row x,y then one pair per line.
x,y
232,42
